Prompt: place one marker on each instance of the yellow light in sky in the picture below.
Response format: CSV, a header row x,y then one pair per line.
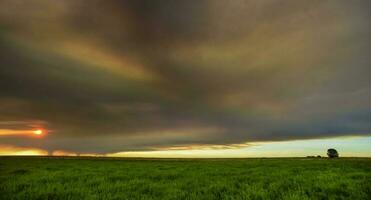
x,y
38,132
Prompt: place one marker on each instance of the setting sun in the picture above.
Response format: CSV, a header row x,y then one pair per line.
x,y
38,132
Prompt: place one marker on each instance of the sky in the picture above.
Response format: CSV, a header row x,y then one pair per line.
x,y
195,78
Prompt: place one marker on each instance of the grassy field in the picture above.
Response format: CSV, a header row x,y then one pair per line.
x,y
83,178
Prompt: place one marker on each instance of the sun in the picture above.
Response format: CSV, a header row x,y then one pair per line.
x,y
38,132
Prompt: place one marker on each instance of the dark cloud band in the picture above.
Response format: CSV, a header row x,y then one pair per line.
x,y
108,76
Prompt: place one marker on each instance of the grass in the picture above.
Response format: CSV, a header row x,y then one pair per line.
x,y
92,178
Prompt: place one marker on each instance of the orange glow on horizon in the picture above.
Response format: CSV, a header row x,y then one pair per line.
x,y
9,150
63,153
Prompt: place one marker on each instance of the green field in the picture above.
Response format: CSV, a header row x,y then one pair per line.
x,y
103,178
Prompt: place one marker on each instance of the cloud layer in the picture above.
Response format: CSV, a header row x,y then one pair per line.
x,y
108,76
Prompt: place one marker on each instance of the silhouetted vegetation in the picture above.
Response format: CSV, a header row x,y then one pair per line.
x,y
332,153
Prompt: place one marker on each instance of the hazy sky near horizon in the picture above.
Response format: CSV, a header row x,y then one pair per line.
x,y
108,76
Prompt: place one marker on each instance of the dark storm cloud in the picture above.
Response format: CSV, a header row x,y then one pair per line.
x,y
106,76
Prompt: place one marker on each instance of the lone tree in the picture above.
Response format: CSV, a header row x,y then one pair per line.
x,y
332,153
